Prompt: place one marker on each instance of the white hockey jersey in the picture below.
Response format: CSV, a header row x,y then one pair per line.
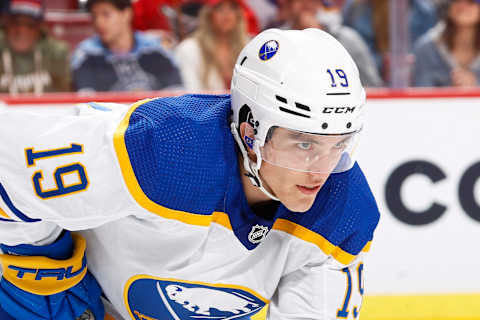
x,y
156,191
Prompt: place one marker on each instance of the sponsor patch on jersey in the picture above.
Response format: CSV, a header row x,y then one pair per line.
x,y
257,234
268,50
164,299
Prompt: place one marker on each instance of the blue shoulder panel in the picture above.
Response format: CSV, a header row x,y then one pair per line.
x,y
180,149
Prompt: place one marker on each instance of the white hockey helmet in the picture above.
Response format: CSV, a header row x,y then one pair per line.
x,y
306,83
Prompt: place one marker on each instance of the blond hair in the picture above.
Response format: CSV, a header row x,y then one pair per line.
x,y
205,35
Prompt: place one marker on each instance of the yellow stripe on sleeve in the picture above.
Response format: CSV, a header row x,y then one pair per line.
x,y
310,236
342,256
222,219
367,246
304,234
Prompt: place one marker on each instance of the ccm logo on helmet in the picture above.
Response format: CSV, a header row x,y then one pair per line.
x,y
338,109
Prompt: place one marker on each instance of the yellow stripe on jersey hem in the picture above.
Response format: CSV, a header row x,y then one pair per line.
x,y
108,317
137,192
310,236
214,285
4,214
421,307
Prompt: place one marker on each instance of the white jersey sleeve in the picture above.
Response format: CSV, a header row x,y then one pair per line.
x,y
59,171
322,292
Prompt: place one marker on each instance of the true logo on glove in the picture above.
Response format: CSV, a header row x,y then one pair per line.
x,y
59,273
44,276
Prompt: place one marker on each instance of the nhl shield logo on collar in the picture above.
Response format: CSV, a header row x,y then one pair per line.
x,y
257,234
268,50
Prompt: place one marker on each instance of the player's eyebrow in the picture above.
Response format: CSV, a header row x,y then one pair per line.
x,y
345,139
299,136
295,135
303,137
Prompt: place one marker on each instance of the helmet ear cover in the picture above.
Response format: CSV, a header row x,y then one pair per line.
x,y
249,141
245,115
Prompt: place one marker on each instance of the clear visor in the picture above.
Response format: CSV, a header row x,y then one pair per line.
x,y
309,152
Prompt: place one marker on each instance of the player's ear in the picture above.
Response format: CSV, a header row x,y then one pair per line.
x,y
248,138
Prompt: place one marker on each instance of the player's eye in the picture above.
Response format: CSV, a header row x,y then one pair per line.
x,y
340,146
304,145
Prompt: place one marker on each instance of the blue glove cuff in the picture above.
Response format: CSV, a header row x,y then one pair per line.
x,y
36,287
61,249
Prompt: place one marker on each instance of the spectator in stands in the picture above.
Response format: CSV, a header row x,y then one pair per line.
x,y
326,15
149,16
119,59
3,11
207,58
370,18
4,6
264,10
281,16
173,20
30,60
449,54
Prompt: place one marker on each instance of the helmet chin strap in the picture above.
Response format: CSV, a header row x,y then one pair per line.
x,y
252,168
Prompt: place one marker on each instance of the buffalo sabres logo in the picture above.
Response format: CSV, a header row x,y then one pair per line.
x,y
169,299
257,234
203,300
268,50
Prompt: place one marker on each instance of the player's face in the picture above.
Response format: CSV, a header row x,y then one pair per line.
x,y
109,22
224,17
296,190
312,157
296,165
22,33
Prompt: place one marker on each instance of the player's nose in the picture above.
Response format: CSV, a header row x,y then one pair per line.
x,y
317,177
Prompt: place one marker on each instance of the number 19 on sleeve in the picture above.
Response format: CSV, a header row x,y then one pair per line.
x,y
343,312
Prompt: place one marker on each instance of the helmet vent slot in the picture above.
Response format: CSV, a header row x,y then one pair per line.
x,y
302,106
293,112
338,93
281,99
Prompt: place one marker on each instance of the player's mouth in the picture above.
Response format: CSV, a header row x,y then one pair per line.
x,y
309,190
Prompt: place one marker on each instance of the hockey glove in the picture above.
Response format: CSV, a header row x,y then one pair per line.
x,y
49,282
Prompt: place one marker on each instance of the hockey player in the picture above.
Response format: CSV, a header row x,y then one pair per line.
x,y
199,206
